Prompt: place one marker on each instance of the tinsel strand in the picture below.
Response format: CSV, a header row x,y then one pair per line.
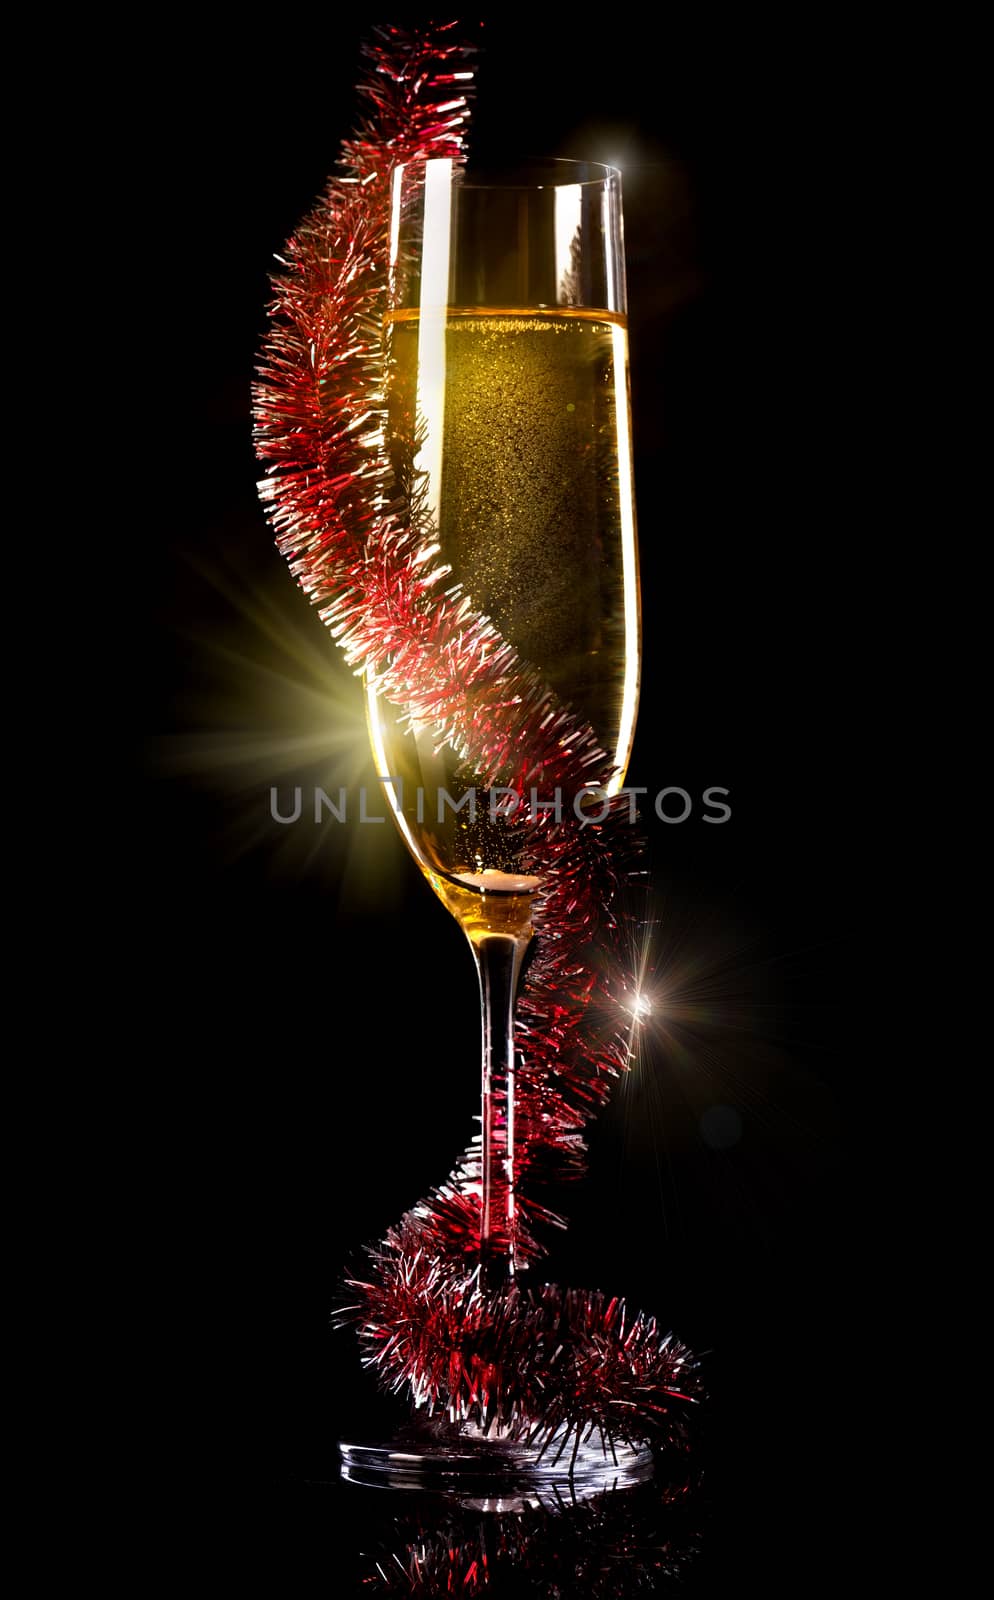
x,y
362,547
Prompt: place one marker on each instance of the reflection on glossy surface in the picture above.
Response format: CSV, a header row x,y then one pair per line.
x,y
554,1544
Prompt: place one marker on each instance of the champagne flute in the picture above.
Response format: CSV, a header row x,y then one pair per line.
x,y
508,392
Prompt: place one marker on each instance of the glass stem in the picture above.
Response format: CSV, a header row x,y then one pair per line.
x,y
498,961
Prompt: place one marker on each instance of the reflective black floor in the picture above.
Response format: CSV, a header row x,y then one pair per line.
x,y
716,1521
354,1540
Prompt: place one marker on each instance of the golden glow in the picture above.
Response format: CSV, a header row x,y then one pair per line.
x,y
263,704
629,558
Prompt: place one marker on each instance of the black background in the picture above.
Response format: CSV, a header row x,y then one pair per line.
x,y
313,1027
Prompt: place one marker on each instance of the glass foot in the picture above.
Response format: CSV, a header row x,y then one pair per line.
x,y
499,1474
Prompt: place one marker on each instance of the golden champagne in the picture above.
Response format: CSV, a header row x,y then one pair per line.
x,y
524,432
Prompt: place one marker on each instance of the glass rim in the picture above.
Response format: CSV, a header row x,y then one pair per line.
x,y
560,172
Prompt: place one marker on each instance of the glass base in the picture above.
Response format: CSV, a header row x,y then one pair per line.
x,y
498,1474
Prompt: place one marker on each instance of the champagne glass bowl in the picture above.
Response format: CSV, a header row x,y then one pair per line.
x,y
510,431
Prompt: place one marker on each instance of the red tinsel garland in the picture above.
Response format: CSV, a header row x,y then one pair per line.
x,y
531,1360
